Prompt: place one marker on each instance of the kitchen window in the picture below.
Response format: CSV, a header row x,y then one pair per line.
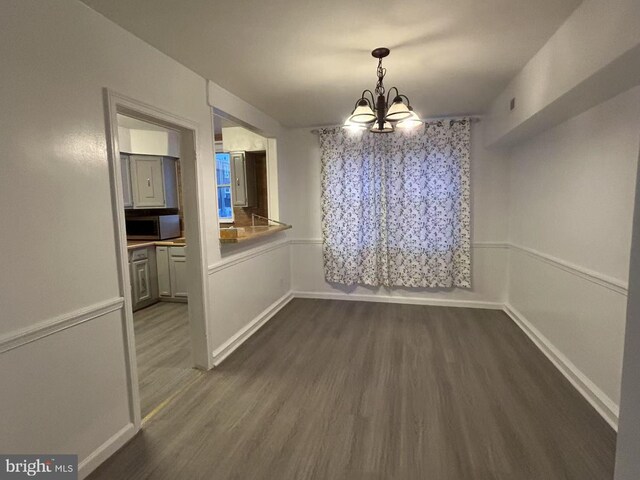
x,y
223,176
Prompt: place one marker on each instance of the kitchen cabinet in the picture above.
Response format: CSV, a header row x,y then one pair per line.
x,y
164,281
153,181
178,272
172,273
239,177
147,181
141,281
144,283
127,196
243,176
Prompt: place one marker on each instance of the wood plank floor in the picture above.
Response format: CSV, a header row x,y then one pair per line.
x,y
351,390
163,351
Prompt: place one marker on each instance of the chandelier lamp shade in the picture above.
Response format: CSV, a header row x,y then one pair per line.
x,y
373,110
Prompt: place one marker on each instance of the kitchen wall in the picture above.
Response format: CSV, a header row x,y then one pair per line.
x,y
62,361
241,139
149,142
300,192
571,197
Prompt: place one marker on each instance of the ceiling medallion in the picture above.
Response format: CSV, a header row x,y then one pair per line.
x,y
375,112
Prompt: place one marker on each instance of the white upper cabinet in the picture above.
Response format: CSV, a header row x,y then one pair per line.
x,y
127,197
243,179
170,183
239,186
147,181
153,181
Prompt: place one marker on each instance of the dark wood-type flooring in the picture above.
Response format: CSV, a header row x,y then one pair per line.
x,y
163,352
354,390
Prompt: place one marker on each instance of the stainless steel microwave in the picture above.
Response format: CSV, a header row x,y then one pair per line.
x,y
153,227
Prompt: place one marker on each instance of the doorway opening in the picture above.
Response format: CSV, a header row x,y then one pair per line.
x,y
155,201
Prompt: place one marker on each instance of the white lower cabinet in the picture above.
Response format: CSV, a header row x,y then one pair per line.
x,y
141,285
172,273
164,282
178,271
142,270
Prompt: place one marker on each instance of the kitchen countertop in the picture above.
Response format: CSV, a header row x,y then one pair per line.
x,y
172,242
242,234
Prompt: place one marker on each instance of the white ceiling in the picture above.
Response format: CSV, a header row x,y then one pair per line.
x,y
305,62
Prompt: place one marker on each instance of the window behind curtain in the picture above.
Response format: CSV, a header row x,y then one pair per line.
x,y
396,206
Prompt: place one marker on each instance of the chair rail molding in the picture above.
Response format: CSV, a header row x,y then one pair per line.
x,y
592,276
57,324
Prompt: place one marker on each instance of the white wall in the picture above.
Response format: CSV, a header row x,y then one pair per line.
x,y
592,57
238,138
300,180
61,334
571,204
628,445
149,142
262,266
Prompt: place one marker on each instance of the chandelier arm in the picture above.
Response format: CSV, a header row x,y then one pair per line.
x,y
373,102
389,94
406,98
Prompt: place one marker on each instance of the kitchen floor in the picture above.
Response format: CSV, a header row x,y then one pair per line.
x,y
163,350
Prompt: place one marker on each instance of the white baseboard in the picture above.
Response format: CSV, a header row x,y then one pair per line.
x,y
606,407
397,299
252,327
104,451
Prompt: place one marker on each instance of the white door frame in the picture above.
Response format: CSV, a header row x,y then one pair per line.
x,y
194,220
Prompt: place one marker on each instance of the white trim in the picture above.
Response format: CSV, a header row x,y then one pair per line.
x,y
116,103
489,245
437,302
104,451
247,255
228,347
592,276
606,407
306,241
62,322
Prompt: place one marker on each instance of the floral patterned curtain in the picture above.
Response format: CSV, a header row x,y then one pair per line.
x,y
396,207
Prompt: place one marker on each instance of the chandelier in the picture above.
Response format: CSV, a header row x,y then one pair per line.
x,y
373,110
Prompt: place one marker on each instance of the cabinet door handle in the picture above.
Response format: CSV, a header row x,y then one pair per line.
x,y
148,182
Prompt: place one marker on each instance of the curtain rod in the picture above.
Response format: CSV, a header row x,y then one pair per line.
x,y
472,119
